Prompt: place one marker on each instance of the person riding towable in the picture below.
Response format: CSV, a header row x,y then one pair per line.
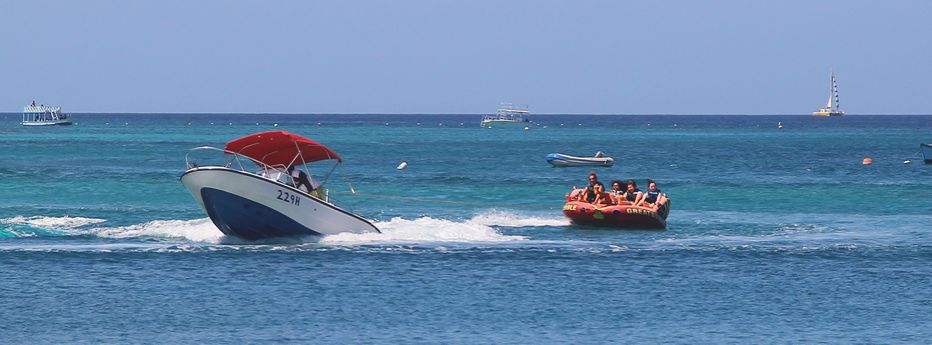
x,y
617,191
653,198
632,195
589,193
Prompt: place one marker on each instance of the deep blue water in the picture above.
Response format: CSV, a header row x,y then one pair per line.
x,y
775,235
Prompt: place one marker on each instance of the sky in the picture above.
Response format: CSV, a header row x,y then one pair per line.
x,y
466,57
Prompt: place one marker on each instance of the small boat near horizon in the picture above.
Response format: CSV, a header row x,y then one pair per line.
x,y
565,160
832,107
926,150
254,194
507,115
42,115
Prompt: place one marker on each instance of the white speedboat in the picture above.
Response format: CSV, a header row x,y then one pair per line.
x,y
832,106
252,195
42,115
508,115
564,160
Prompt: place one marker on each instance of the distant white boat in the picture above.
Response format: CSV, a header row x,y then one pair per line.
x,y
508,115
42,115
926,150
565,160
832,106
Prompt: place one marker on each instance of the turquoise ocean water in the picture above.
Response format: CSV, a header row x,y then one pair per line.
x,y
775,235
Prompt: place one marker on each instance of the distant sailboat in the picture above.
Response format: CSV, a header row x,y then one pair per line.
x,y
832,107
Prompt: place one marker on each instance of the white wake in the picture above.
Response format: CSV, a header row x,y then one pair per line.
x,y
53,223
481,228
197,230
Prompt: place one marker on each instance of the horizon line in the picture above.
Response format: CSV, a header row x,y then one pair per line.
x,y
480,114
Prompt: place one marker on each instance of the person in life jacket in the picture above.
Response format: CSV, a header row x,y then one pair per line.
x,y
593,189
587,193
633,195
654,197
617,191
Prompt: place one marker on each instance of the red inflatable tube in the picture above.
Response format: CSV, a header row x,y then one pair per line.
x,y
618,216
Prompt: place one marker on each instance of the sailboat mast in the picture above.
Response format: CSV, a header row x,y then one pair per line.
x,y
835,91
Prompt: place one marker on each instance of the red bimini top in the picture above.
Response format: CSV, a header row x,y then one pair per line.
x,y
281,148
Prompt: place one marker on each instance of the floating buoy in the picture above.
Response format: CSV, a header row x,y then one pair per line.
x,y
867,161
274,125
907,161
403,165
418,123
231,123
526,128
386,123
257,123
461,124
780,125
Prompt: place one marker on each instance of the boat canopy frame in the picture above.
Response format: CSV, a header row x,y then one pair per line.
x,y
267,170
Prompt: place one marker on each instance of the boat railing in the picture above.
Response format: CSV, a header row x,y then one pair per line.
x,y
239,161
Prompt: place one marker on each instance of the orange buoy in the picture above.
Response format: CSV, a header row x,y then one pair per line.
x,y
867,161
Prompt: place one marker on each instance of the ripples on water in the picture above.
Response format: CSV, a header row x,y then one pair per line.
x,y
774,235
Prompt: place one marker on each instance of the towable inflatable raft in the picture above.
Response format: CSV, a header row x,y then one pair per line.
x,y
618,216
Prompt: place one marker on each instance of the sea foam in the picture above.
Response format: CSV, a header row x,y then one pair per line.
x,y
53,223
480,228
198,230
424,230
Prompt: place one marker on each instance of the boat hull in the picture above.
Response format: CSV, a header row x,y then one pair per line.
x,y
252,207
617,216
47,123
562,160
504,124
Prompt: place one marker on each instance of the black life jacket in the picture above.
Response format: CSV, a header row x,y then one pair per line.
x,y
652,196
631,196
